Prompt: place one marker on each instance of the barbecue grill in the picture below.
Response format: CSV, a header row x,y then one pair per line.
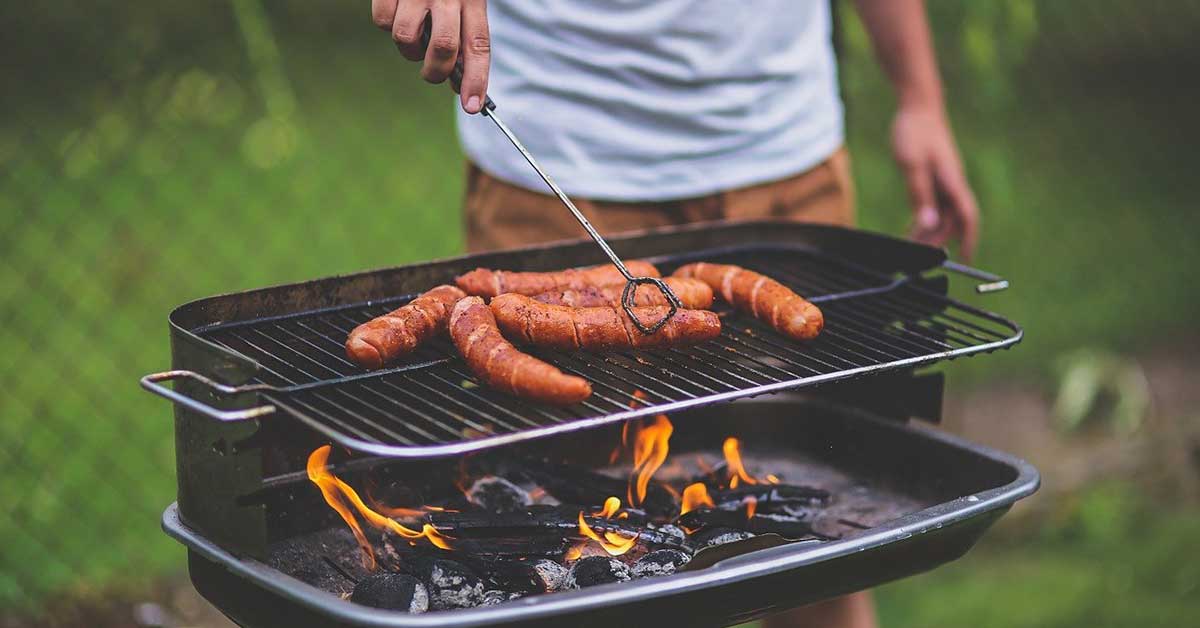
x,y
260,380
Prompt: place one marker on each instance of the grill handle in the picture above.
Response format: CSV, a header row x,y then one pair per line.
x,y
152,383
992,283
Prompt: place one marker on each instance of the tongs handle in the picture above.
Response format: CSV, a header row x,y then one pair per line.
x,y
631,282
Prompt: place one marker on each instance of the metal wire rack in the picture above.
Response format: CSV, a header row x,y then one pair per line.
x,y
430,404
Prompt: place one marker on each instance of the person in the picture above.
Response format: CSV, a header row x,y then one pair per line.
x,y
660,112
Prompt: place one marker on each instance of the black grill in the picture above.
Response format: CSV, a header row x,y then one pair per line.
x,y
431,405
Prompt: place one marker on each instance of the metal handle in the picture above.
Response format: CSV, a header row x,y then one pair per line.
x,y
151,383
992,283
631,282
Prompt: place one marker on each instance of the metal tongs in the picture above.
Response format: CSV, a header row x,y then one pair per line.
x,y
631,282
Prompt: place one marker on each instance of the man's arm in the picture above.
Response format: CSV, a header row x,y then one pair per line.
x,y
943,205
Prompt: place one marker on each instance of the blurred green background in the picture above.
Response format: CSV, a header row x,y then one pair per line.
x,y
153,153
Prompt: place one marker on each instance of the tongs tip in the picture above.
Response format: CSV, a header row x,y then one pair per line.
x,y
628,300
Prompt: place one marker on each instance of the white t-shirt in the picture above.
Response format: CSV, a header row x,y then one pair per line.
x,y
645,100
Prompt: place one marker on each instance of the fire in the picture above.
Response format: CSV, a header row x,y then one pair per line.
x,y
650,450
751,506
337,493
695,496
613,543
733,462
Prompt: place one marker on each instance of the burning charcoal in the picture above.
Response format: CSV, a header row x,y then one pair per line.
x,y
450,584
551,575
575,485
391,591
761,523
719,536
674,533
769,496
595,570
495,596
539,520
498,495
663,562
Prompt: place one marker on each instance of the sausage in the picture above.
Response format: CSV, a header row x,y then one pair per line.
x,y
768,300
598,328
502,366
693,294
484,282
383,339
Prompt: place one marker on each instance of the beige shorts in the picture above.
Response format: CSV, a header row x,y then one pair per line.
x,y
500,215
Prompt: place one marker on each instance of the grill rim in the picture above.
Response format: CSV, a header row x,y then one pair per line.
x,y
939,519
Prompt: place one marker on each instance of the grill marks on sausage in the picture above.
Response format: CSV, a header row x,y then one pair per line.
x,y
767,299
693,294
402,330
502,366
598,328
485,282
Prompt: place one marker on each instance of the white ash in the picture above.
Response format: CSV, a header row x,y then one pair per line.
x,y
595,570
391,591
721,536
552,574
663,562
452,586
495,596
498,495
673,531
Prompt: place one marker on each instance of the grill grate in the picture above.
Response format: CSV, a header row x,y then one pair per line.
x,y
430,404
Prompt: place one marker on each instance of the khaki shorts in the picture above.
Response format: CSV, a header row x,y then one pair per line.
x,y
500,215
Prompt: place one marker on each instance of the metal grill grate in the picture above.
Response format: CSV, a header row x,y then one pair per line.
x,y
430,404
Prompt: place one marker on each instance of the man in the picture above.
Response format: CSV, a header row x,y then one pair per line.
x,y
656,112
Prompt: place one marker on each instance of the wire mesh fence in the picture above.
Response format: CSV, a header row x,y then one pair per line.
x,y
150,155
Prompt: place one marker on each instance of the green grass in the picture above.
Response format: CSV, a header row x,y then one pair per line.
x,y
126,192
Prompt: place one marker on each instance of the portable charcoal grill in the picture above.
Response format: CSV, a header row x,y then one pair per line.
x,y
261,381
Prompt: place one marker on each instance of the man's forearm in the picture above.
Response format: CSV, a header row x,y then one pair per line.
x,y
899,31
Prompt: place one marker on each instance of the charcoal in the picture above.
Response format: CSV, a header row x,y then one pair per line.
x,y
551,575
493,597
661,562
593,570
761,523
769,496
714,536
450,584
555,521
498,495
393,592
575,485
673,534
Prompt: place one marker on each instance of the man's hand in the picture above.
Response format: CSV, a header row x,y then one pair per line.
x,y
458,28
944,208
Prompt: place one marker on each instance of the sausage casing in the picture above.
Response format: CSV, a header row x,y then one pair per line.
x,y
502,366
401,331
598,328
693,294
768,300
485,282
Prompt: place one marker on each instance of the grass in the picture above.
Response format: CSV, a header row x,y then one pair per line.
x,y
185,170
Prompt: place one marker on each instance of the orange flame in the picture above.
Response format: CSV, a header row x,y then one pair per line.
x,y
695,496
772,478
613,543
751,506
650,449
335,491
733,462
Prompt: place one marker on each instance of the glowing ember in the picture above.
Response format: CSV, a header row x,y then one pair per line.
x,y
573,553
337,493
772,478
733,461
613,543
650,450
695,496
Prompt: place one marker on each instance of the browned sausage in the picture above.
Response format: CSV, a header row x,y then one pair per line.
x,y
383,339
769,301
484,282
693,294
597,328
502,366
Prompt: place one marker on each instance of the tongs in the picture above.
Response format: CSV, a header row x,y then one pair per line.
x,y
631,282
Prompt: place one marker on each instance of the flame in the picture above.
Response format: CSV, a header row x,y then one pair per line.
x,y
650,450
733,461
335,491
695,496
573,553
772,478
613,543
751,506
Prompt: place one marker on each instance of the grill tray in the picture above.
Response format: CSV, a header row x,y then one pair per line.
x,y
880,315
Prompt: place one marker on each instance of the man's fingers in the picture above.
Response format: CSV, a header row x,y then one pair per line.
x,y
383,13
444,37
406,29
926,221
960,203
476,55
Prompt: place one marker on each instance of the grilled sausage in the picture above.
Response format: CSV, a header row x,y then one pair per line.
x,y
383,339
769,301
484,282
502,366
597,328
693,294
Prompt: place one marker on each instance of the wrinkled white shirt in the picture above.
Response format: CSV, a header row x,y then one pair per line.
x,y
644,100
